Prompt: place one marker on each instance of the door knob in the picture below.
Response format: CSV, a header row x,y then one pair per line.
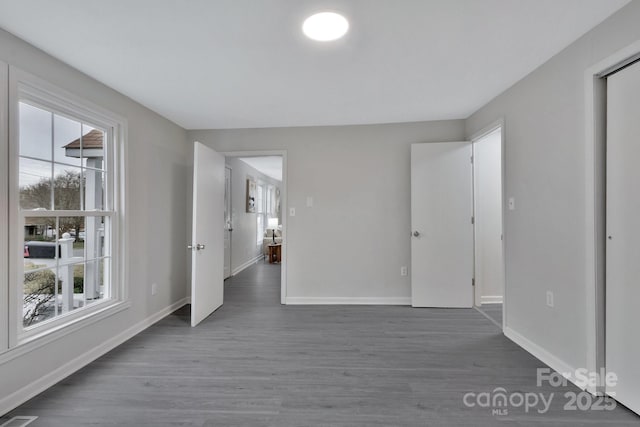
x,y
199,247
416,234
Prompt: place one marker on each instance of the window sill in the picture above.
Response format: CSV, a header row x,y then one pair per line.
x,y
35,341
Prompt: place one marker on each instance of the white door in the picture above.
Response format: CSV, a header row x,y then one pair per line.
x,y
227,222
207,280
623,231
442,233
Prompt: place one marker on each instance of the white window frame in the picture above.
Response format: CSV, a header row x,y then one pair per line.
x,y
25,87
4,211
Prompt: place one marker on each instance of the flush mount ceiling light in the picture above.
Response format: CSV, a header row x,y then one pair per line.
x,y
325,26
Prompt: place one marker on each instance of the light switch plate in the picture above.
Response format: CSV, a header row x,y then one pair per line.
x,y
292,211
550,299
309,201
512,203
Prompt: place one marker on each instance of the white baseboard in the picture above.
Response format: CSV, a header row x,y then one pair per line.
x,y
347,301
491,299
246,264
19,397
543,355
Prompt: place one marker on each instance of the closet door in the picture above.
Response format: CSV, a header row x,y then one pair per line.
x,y
623,235
4,212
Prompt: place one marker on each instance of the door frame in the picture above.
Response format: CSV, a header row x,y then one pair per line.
x,y
283,208
230,201
497,124
595,203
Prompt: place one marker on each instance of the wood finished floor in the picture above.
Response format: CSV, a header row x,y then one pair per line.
x,y
493,311
257,363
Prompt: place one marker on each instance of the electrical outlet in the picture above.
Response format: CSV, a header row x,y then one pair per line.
x,y
549,299
404,271
154,288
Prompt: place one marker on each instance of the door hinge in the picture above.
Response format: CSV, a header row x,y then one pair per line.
x,y
473,220
471,159
473,282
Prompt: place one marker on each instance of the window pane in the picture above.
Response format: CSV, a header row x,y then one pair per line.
x,y
66,140
259,199
92,147
94,281
78,271
70,286
66,188
72,227
39,294
259,228
35,132
94,190
40,259
72,231
38,229
35,184
94,237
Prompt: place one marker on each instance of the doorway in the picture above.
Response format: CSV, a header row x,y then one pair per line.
x,y
488,224
228,229
256,220
456,218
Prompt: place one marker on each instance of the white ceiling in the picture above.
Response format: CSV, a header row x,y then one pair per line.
x,y
244,63
268,165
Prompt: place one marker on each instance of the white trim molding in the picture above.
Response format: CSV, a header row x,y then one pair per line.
x,y
491,299
348,301
543,355
247,264
19,397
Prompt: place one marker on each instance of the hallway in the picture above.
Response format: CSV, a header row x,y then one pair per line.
x,y
258,363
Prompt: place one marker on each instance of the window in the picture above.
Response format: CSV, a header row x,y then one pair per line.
x,y
259,228
260,214
260,198
271,200
66,199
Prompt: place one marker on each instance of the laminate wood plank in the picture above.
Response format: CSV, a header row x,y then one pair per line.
x,y
258,363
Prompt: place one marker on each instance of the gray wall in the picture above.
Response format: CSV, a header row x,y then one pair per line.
x,y
545,172
158,173
243,238
353,241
